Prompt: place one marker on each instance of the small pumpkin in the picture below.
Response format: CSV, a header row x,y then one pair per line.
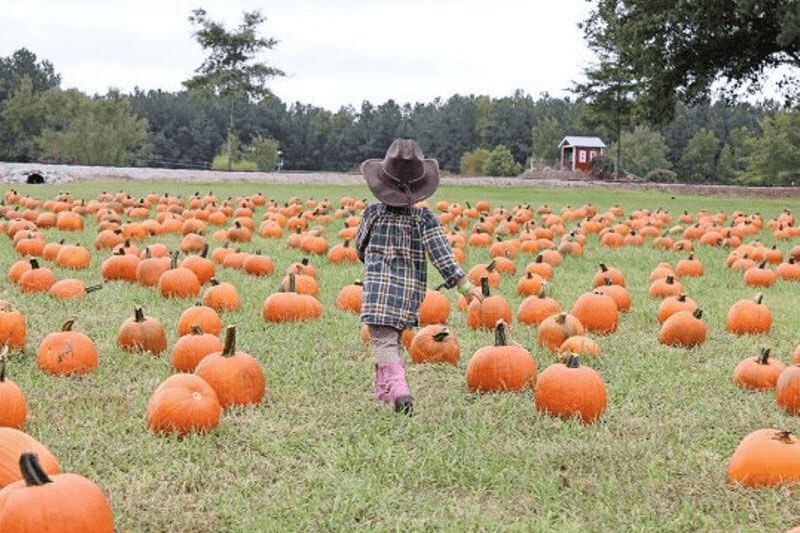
x,y
290,306
766,458
120,266
535,308
67,352
202,316
555,329
759,276
529,284
672,304
37,279
13,327
580,345
571,390
221,296
435,344
67,502
689,267
501,367
434,309
614,274
13,404
684,329
236,377
183,404
749,317
663,287
178,281
485,314
190,349
71,289
597,312
760,372
350,297
787,390
142,334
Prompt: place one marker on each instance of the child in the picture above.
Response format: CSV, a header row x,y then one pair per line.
x,y
392,241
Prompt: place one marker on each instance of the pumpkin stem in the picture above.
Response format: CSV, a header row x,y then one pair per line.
x,y
292,286
670,280
574,361
439,337
698,313
539,258
500,333
681,297
490,266
68,324
197,330
561,318
485,287
783,436
358,283
173,263
603,267
204,251
92,288
607,281
691,257
138,314
304,261
346,243
32,471
34,263
3,357
213,281
759,297
763,357
230,341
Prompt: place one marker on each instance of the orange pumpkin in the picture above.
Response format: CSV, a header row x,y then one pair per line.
x,y
570,390
14,443
787,390
555,329
760,372
350,297
190,349
236,377
597,312
182,404
749,317
202,316
13,404
683,329
501,367
766,458
435,344
434,309
13,327
485,314
67,352
221,296
142,334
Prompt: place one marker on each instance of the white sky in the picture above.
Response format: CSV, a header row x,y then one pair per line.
x,y
334,52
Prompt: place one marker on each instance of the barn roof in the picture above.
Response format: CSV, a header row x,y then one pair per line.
x,y
586,142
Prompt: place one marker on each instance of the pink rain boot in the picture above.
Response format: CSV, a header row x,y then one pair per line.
x,y
391,387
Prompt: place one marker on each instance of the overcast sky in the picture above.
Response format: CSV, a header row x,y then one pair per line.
x,y
334,52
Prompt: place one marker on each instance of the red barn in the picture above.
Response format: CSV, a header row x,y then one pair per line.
x,y
577,153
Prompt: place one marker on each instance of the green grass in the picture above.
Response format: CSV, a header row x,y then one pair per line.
x,y
321,455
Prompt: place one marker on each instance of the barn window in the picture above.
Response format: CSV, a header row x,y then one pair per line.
x,y
592,155
582,156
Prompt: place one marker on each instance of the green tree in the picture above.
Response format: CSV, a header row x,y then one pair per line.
x,y
734,155
699,160
23,64
231,71
473,163
22,118
501,163
263,151
775,159
546,135
100,131
676,50
645,151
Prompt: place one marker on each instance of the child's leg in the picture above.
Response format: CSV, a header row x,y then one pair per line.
x,y
390,373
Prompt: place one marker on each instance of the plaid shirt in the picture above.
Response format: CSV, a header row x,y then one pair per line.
x,y
392,242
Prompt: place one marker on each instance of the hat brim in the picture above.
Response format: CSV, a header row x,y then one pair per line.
x,y
386,190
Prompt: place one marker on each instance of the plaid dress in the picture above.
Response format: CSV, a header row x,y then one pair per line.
x,y
392,243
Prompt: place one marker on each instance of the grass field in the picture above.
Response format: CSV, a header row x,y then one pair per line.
x,y
321,455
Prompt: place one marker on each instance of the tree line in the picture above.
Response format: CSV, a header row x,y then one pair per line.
x,y
705,141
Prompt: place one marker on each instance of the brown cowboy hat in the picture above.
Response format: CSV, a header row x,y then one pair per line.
x,y
404,177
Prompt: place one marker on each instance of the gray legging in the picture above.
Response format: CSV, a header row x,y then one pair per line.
x,y
385,344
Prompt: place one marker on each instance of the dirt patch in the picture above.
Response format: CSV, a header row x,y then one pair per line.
x,y
11,173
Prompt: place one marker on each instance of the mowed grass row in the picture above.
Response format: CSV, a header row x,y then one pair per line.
x,y
321,454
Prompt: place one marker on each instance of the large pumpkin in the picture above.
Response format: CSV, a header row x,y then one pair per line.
x,y
684,329
142,334
597,312
749,316
67,503
501,367
13,404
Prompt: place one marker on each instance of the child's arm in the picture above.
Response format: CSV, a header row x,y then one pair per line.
x,y
441,255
